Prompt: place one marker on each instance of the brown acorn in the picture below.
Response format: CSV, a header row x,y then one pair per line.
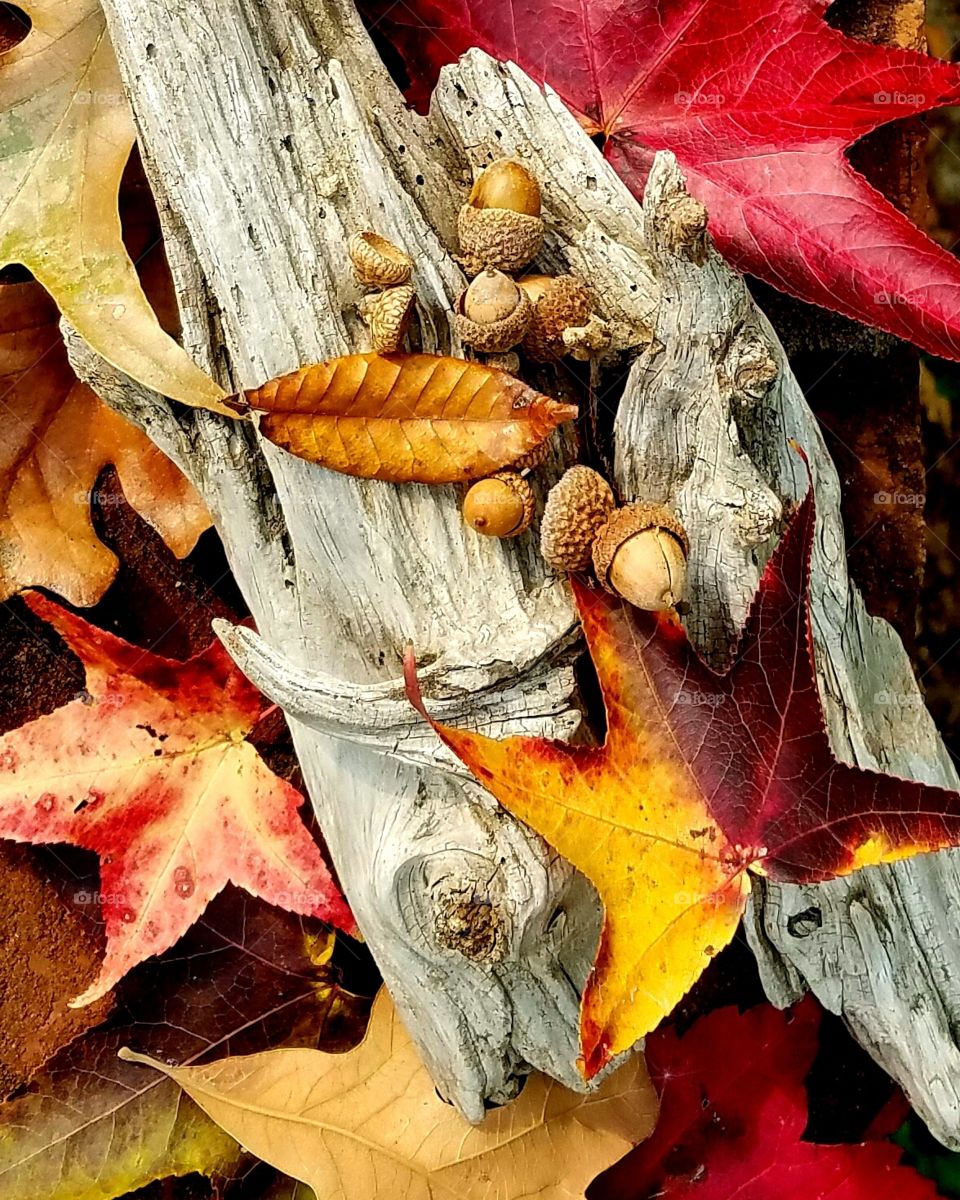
x,y
377,262
577,508
560,303
388,315
492,314
500,224
499,506
641,555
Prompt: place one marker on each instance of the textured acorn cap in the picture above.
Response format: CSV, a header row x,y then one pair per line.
x,y
499,506
377,261
498,238
577,508
559,303
625,524
494,336
388,316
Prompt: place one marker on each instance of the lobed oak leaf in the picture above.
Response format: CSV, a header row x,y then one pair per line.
x,y
406,418
246,977
56,438
704,778
148,767
758,100
67,131
369,1123
732,1117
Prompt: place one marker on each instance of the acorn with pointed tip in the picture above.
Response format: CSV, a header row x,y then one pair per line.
x,y
377,262
641,555
560,303
388,315
500,225
492,314
577,508
499,506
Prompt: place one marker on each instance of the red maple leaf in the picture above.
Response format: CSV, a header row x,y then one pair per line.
x,y
149,768
704,779
732,1114
758,99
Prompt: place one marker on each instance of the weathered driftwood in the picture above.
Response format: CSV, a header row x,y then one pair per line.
x,y
270,133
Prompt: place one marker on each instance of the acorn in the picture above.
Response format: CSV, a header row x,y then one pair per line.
x,y
560,303
577,508
377,262
493,313
641,555
500,224
499,506
388,315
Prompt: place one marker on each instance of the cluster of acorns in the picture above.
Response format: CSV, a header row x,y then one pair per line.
x,y
639,551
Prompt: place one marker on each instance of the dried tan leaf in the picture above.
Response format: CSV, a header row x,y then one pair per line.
x,y
369,1123
406,418
66,130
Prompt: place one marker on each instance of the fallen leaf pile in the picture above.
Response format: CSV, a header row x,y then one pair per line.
x,y
732,1115
370,1124
703,778
67,131
406,418
246,977
148,767
759,100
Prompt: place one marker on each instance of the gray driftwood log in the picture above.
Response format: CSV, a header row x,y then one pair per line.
x,y
270,133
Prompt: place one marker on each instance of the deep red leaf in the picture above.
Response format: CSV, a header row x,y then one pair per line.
x,y
758,99
732,1116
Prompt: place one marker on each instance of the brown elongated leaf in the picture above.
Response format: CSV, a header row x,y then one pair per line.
x,y
370,1124
55,438
247,976
406,418
67,130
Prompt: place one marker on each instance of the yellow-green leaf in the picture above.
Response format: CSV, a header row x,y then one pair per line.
x,y
369,1123
65,134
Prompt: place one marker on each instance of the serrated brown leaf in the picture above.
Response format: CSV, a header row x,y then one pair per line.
x,y
406,418
248,976
369,1123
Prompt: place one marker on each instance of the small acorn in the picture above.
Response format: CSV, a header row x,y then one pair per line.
x,y
492,314
500,224
499,506
560,303
577,508
388,315
377,262
641,555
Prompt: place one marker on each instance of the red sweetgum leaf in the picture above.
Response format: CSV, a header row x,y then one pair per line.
x,y
733,1109
759,101
148,767
704,777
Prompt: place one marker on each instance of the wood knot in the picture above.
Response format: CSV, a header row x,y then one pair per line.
x,y
472,926
687,228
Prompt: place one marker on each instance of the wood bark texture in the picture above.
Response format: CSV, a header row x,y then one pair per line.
x,y
270,134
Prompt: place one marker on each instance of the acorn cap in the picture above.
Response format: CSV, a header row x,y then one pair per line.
x,y
377,261
499,506
669,557
559,303
577,507
507,183
388,316
498,238
494,336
